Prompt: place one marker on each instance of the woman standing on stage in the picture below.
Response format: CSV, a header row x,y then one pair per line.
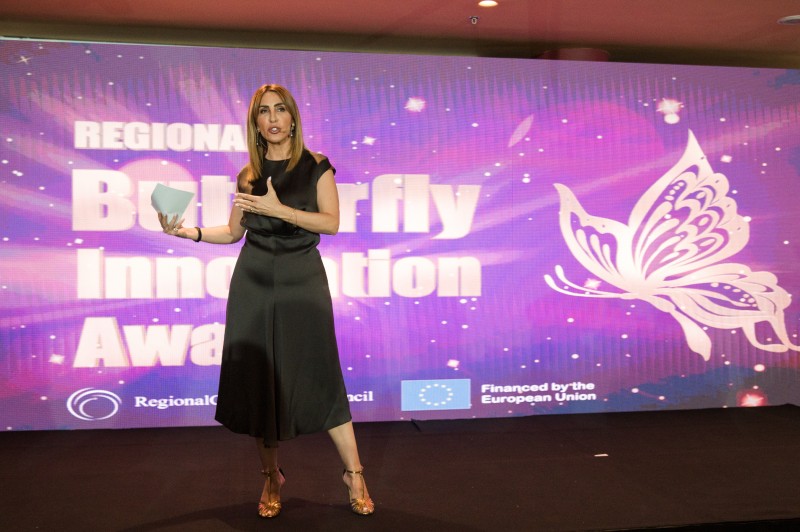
x,y
280,374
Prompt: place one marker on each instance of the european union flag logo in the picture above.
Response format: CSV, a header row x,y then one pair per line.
x,y
441,394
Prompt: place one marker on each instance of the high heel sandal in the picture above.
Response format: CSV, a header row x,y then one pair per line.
x,y
363,505
271,508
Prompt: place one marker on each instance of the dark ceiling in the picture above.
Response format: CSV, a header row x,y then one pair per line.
x,y
715,32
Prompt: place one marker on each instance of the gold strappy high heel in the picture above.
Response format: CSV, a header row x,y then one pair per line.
x,y
363,505
271,508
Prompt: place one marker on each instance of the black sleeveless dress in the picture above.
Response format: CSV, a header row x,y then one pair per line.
x,y
280,374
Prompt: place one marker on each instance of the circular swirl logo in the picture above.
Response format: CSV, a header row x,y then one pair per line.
x,y
90,404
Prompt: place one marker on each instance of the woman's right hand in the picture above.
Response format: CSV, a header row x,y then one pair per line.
x,y
173,226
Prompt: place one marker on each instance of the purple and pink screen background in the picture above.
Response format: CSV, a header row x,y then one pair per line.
x,y
511,127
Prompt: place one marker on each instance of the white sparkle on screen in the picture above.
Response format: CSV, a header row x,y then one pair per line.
x,y
669,106
592,284
415,105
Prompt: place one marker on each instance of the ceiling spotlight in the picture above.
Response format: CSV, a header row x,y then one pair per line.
x,y
790,20
487,3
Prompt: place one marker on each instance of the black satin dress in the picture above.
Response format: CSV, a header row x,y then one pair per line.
x,y
280,374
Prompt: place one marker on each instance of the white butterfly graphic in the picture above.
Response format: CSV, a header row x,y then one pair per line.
x,y
670,255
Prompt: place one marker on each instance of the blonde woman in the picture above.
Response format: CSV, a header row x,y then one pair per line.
x,y
280,375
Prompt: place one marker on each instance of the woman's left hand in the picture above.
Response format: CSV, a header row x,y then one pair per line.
x,y
267,205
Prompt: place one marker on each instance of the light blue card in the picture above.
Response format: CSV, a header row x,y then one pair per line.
x,y
170,201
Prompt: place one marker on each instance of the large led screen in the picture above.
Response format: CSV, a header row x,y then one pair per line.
x,y
517,237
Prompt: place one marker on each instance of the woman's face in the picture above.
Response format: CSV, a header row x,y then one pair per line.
x,y
274,120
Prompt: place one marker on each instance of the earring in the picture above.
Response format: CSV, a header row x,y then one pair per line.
x,y
291,133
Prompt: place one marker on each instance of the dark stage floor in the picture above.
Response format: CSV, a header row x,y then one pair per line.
x,y
691,470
